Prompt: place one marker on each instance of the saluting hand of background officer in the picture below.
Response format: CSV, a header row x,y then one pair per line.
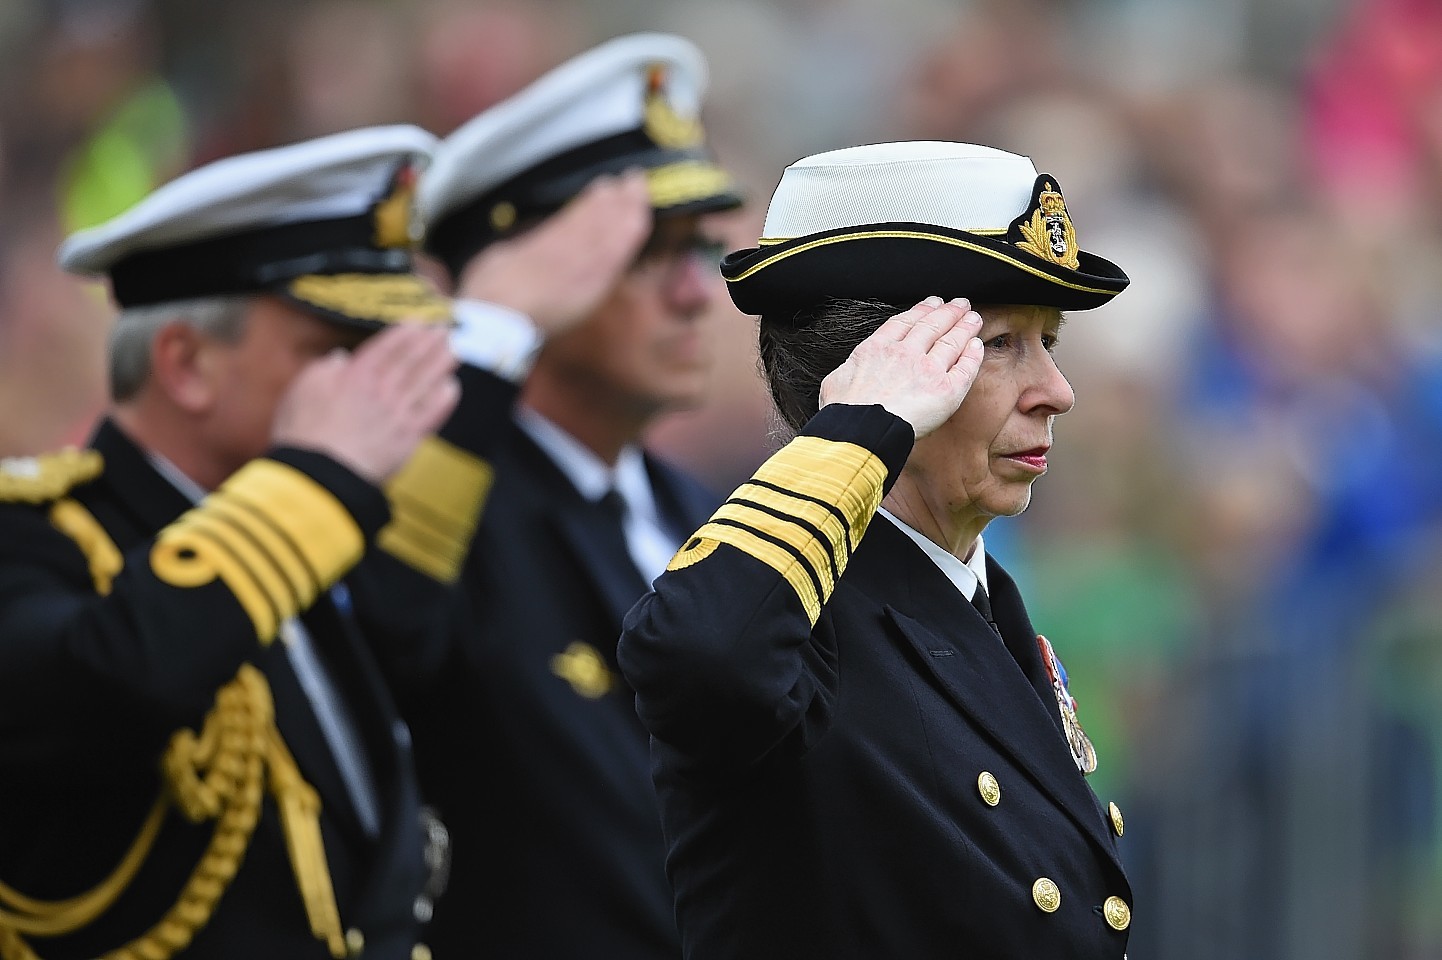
x,y
559,271
919,365
369,409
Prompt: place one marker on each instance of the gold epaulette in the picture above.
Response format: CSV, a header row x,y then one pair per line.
x,y
47,477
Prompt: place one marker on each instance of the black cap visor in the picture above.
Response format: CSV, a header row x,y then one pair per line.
x,y
903,263
682,181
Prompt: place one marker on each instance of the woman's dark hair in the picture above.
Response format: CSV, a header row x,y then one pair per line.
x,y
798,351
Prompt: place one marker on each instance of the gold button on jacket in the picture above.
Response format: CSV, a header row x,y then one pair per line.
x,y
1118,914
1116,815
1046,895
989,789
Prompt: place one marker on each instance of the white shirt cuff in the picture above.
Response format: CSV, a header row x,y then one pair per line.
x,y
495,338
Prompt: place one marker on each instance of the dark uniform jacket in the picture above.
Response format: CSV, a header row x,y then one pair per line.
x,y
529,743
99,670
850,763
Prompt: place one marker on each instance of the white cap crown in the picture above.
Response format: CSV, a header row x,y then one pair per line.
x,y
321,179
958,185
594,95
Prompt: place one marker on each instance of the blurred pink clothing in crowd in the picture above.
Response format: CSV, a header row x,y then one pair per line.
x,y
1374,110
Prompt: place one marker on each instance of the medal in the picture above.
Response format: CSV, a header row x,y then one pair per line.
x,y
1081,747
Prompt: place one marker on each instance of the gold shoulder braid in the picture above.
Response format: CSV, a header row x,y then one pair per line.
x,y
48,476
80,525
218,775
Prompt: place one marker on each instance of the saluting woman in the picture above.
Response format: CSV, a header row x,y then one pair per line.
x,y
861,747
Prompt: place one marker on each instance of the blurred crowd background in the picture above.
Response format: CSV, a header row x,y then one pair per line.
x,y
1239,550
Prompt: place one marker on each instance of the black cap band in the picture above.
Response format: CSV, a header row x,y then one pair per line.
x,y
254,260
543,189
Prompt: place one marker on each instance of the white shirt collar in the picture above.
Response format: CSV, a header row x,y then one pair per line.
x,y
965,575
193,491
589,474
634,484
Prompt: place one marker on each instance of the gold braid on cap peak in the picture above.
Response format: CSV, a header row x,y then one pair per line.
x,y
217,775
381,297
1050,234
685,182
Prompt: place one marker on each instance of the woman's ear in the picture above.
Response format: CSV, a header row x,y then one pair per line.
x,y
184,366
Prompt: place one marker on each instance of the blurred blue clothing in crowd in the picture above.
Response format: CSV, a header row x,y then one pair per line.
x,y
1296,742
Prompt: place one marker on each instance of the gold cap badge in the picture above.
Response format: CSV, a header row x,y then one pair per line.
x,y
1050,234
664,125
398,222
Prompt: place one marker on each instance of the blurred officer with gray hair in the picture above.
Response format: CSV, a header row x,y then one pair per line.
x,y
199,754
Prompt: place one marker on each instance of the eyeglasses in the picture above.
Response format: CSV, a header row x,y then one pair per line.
x,y
662,251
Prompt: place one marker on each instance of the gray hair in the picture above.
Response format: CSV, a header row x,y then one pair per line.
x,y
798,351
130,341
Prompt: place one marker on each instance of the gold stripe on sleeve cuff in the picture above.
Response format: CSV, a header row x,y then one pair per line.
x,y
828,520
812,551
274,536
187,556
802,514
844,474
777,558
241,544
287,563
436,502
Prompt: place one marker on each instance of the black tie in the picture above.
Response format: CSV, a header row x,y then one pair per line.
x,y
983,607
613,507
